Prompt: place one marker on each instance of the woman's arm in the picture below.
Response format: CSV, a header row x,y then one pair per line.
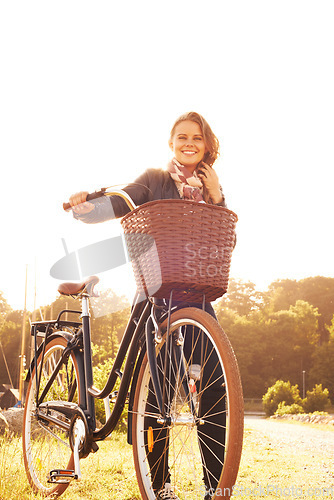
x,y
109,207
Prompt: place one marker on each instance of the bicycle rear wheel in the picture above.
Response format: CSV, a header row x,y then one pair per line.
x,y
198,449
45,446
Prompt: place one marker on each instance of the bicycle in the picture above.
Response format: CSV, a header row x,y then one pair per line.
x,y
171,361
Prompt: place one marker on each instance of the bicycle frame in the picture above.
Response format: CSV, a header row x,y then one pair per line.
x,y
130,346
139,336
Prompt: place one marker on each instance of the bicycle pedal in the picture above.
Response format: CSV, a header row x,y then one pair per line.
x,y
94,447
61,476
113,396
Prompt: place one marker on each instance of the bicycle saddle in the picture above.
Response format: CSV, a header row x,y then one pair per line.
x,y
78,288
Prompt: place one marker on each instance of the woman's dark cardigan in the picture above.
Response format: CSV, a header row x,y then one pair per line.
x,y
153,184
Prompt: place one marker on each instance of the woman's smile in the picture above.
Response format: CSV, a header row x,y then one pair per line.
x,y
188,152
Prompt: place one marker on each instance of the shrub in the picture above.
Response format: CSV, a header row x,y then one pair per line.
x,y
280,392
293,409
316,400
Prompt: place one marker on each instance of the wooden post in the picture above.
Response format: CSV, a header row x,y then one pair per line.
x,y
22,361
32,347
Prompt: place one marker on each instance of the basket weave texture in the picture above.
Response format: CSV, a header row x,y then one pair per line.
x,y
181,245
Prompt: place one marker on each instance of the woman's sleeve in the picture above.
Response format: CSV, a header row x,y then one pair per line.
x,y
113,207
223,202
103,211
139,191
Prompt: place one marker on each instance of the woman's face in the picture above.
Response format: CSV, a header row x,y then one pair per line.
x,y
188,144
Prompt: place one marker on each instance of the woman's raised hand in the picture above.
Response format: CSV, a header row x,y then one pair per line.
x,y
79,204
210,180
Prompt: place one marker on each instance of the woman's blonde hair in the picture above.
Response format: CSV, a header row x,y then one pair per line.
x,y
210,140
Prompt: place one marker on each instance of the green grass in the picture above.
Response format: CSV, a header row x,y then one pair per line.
x,y
109,473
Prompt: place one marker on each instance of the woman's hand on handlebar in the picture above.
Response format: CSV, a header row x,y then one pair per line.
x,y
79,204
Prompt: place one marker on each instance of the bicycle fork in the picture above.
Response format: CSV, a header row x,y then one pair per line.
x,y
173,353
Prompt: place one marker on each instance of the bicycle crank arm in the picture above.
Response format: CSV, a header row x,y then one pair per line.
x,y
79,434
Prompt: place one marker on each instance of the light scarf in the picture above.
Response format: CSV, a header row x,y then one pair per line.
x,y
191,185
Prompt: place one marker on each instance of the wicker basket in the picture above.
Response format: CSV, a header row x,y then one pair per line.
x,y
181,245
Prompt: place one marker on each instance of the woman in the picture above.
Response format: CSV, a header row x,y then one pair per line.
x,y
189,175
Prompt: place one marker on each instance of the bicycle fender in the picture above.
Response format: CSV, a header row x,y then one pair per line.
x,y
132,392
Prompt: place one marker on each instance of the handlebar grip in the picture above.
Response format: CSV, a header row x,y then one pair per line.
x,y
90,196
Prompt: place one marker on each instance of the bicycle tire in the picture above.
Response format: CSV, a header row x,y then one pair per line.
x,y
46,447
187,444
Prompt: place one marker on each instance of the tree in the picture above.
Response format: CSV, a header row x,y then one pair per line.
x,y
247,336
322,371
270,344
316,400
291,338
5,324
280,392
111,314
241,297
282,294
10,337
4,307
317,291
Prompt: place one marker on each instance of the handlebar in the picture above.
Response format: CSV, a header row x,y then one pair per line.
x,y
104,192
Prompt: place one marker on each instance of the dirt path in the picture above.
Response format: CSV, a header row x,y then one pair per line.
x,y
296,437
286,460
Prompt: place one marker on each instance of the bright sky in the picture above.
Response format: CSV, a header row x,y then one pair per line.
x,y
90,90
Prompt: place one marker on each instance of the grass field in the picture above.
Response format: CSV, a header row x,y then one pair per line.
x,y
108,474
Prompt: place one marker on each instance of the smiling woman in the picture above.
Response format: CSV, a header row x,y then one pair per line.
x,y
190,176
196,147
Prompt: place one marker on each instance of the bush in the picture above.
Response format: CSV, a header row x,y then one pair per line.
x,y
316,400
293,409
280,392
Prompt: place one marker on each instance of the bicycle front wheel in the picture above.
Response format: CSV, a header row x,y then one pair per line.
x,y
196,451
45,446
